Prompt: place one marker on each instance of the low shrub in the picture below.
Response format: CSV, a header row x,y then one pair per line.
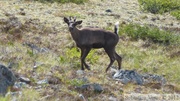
x,y
161,6
176,14
135,31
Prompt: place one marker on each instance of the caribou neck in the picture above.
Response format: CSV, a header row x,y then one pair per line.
x,y
75,33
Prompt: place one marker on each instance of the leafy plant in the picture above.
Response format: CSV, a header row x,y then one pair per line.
x,y
72,55
176,13
77,82
30,53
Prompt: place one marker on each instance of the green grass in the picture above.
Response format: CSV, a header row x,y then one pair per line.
x,y
161,6
77,82
135,32
29,95
72,56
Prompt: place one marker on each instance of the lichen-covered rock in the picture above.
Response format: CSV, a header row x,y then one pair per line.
x,y
126,76
7,79
24,79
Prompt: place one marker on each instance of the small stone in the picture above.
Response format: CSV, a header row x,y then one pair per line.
x,y
82,97
97,88
80,72
108,10
15,89
153,19
45,81
22,9
22,13
112,98
24,79
20,85
54,80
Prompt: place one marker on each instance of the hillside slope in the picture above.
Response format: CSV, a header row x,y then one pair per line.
x,y
36,42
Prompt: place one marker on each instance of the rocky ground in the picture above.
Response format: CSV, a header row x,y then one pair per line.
x,y
34,36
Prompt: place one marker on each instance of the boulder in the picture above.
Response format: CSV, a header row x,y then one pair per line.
x,y
7,79
94,87
126,76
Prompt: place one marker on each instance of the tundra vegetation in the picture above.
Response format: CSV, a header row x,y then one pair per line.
x,y
161,6
35,38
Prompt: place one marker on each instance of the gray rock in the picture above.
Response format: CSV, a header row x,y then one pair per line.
x,y
24,79
22,13
108,10
126,76
7,79
35,48
41,82
20,84
148,78
111,98
82,97
79,72
96,88
54,80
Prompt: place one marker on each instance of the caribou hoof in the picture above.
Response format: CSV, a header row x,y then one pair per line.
x,y
88,67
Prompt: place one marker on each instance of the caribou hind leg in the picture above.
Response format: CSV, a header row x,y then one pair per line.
x,y
111,54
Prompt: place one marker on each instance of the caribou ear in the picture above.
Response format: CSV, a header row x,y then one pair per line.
x,y
66,20
78,22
